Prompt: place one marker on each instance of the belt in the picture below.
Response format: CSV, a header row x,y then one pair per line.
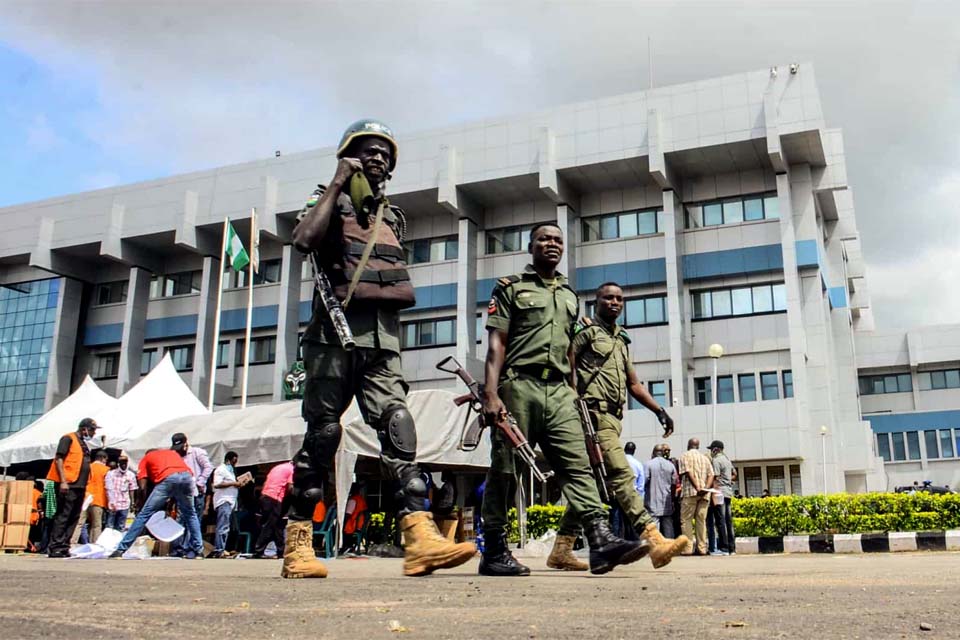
x,y
534,372
602,406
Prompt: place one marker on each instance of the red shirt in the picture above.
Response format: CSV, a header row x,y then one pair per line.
x,y
161,463
275,486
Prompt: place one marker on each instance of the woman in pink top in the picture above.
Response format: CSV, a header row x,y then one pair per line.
x,y
278,482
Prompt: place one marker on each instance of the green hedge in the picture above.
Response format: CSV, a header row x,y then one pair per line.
x,y
845,513
789,515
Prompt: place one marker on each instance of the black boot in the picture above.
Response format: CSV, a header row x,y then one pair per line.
x,y
497,559
607,550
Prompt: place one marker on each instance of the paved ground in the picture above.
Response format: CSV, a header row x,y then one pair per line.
x,y
862,596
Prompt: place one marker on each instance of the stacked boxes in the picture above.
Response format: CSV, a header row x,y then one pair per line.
x,y
15,497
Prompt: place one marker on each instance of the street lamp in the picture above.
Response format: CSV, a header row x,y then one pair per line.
x,y
715,351
823,443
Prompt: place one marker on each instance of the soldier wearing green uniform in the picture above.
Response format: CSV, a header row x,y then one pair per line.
x,y
355,237
528,373
604,376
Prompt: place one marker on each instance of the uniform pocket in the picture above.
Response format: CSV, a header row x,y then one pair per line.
x,y
529,309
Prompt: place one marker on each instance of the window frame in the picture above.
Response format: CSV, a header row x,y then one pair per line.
x,y
752,377
703,389
418,324
590,308
98,372
594,224
764,387
491,234
700,302
721,205
191,349
410,248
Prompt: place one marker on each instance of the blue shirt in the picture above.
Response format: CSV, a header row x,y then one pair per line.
x,y
637,467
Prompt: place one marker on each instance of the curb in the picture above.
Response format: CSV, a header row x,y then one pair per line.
x,y
853,542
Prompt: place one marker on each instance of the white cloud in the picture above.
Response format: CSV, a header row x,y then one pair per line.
x,y
41,136
100,180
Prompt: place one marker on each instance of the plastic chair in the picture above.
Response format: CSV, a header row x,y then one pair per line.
x,y
241,535
356,539
326,531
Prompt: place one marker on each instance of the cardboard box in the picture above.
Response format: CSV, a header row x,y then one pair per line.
x,y
16,514
19,491
16,536
466,521
3,492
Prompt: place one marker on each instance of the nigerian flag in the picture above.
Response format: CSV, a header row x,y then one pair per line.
x,y
235,251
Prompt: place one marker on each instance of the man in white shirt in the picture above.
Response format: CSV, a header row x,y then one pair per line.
x,y
225,491
199,463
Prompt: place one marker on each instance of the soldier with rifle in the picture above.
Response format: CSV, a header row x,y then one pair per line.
x,y
351,348
528,375
604,376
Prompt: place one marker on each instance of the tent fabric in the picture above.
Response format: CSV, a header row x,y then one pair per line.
x,y
38,440
159,397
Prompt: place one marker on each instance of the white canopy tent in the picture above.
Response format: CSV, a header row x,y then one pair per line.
x,y
38,440
161,396
273,433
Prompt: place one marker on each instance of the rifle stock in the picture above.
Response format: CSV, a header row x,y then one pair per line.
x,y
507,425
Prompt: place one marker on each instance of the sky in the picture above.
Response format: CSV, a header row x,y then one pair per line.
x,y
96,94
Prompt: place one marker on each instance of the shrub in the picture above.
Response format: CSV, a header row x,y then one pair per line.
x,y
845,513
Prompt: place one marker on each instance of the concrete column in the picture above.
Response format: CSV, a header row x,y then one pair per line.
x,y
64,343
134,329
288,317
206,317
467,297
672,219
569,222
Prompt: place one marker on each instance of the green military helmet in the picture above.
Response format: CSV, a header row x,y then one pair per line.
x,y
368,127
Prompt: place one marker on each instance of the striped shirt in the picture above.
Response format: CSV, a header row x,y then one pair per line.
x,y
697,465
120,483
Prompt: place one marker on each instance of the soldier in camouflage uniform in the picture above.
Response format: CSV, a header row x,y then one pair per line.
x,y
604,375
355,236
531,321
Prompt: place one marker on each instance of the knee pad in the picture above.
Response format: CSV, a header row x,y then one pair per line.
x,y
321,442
415,487
398,434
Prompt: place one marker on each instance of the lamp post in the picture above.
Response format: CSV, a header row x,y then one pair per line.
x,y
823,447
715,351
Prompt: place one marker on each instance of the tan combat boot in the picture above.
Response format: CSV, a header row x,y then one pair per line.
x,y
662,549
425,550
561,557
299,560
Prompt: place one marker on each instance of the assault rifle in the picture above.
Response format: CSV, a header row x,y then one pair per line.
x,y
332,304
470,438
594,450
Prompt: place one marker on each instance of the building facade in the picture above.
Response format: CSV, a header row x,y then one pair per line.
x,y
721,206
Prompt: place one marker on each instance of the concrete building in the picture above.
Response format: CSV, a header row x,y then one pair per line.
x,y
722,206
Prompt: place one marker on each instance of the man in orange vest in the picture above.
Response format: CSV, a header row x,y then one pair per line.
x,y
97,489
71,471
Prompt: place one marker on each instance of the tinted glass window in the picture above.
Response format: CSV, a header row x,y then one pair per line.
x,y
712,214
952,378
946,443
742,302
788,384
721,302
628,224
899,451
768,386
753,209
771,208
654,310
913,445
779,297
724,389
762,299
883,446
608,228
930,441
647,222
732,211
748,387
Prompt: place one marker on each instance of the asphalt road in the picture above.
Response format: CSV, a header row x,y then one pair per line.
x,y
799,596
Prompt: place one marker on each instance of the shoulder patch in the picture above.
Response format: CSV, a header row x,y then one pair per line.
x,y
624,337
582,324
315,196
506,281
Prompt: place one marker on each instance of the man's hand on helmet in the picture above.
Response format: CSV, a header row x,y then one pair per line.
x,y
346,167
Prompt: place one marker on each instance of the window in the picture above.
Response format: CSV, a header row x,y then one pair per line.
x,y
703,390
431,249
508,239
753,482
776,481
223,354
930,440
182,357
175,284
891,383
796,485
899,450
787,383
306,270
768,386
658,389
946,443
945,379
111,292
620,225
740,301
148,360
724,389
748,387
913,445
263,350
883,446
733,210
105,366
268,273
639,312
433,332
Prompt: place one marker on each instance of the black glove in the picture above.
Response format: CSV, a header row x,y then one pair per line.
x,y
666,421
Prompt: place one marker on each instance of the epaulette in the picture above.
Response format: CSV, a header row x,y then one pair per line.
x,y
623,336
582,324
506,281
315,196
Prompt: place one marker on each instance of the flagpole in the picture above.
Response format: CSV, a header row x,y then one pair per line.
x,y
246,354
216,319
